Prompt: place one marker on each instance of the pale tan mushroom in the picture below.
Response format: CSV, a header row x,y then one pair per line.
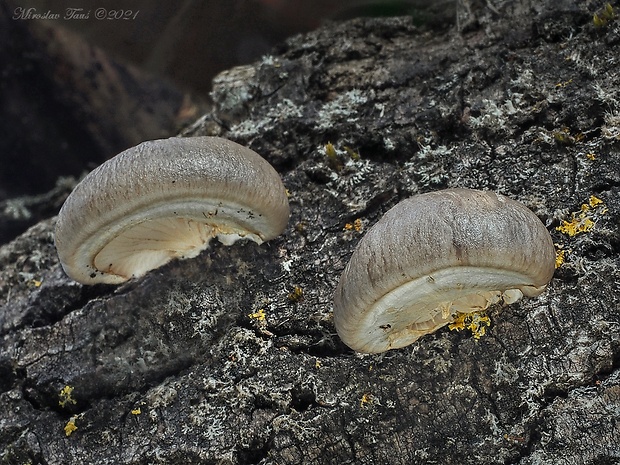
x,y
166,199
433,256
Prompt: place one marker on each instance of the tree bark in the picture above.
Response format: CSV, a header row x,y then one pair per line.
x,y
171,368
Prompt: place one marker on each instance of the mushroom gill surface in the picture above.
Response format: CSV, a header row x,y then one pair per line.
x,y
166,199
433,256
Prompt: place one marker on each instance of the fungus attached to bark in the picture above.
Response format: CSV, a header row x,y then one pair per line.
x,y
166,199
434,256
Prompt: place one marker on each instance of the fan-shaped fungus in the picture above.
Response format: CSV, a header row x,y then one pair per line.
x,y
433,256
165,199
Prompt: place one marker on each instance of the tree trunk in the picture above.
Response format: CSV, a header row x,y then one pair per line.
x,y
173,368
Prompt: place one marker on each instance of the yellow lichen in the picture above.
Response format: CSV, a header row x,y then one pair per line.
x,y
300,227
65,396
296,295
70,427
513,438
563,136
356,225
259,315
330,150
582,221
332,157
352,153
560,255
476,322
591,156
138,409
366,399
335,157
604,17
576,225
593,201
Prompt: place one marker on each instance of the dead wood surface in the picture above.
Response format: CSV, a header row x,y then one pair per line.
x,y
178,368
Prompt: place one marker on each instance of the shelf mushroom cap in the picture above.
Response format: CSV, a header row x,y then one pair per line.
x,y
166,199
433,256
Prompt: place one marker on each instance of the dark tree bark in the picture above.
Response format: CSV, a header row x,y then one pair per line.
x,y
171,368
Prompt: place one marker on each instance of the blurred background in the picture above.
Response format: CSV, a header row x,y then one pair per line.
x,y
190,41
81,81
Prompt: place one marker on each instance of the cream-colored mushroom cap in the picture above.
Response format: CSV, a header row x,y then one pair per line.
x,y
166,199
433,256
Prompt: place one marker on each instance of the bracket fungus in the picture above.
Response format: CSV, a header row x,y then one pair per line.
x,y
166,199
434,256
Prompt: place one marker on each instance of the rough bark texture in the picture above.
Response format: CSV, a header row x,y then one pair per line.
x,y
178,368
